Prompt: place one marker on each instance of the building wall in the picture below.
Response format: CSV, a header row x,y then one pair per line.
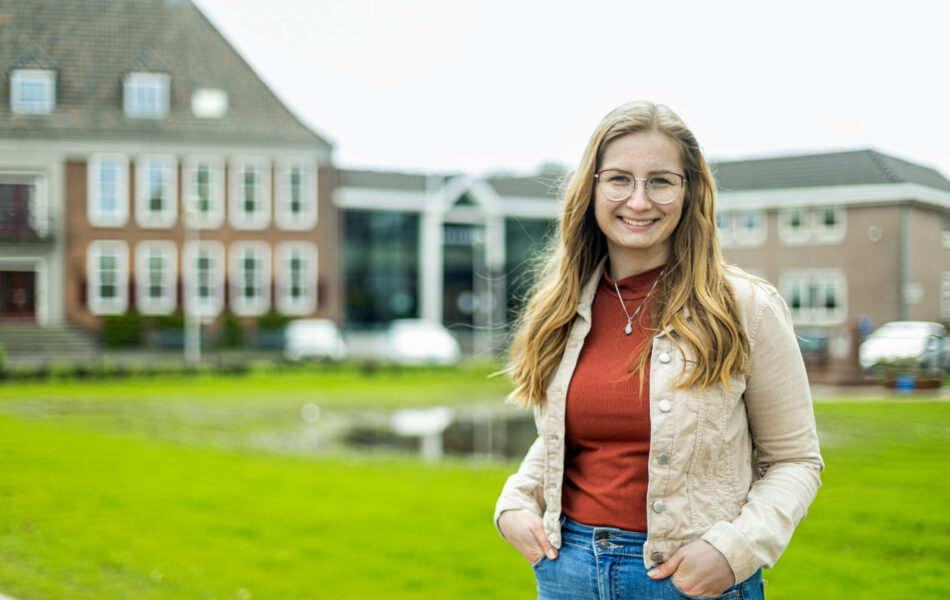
x,y
928,260
80,233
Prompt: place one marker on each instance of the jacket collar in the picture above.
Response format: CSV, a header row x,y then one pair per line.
x,y
589,290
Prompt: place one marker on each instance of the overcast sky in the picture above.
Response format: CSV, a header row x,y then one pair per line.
x,y
435,85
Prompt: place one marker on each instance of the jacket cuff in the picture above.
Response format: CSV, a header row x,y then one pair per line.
x,y
514,504
735,547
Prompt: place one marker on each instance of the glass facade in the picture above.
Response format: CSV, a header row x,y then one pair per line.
x,y
524,241
381,266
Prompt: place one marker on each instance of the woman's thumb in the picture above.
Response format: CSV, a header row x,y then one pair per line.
x,y
664,570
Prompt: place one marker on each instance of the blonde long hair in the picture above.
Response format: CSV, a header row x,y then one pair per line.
x,y
693,282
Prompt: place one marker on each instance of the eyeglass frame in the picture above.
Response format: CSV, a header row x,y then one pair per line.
x,y
646,187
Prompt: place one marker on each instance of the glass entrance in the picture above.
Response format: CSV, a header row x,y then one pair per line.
x,y
462,248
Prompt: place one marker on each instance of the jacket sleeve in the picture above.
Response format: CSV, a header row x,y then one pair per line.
x,y
524,489
782,425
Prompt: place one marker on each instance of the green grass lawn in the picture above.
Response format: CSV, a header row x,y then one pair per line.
x,y
98,501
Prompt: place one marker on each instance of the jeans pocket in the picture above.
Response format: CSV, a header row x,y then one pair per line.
x,y
539,562
732,592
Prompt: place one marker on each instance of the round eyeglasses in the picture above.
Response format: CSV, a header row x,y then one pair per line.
x,y
661,188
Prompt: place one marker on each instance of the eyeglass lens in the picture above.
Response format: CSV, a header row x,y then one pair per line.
x,y
662,188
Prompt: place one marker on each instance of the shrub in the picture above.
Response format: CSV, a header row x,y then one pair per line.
x,y
232,332
122,331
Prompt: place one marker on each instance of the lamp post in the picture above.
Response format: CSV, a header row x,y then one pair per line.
x,y
192,345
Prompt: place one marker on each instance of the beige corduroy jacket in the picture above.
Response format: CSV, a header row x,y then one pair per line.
x,y
734,466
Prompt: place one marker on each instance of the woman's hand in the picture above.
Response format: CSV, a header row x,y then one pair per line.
x,y
698,569
524,530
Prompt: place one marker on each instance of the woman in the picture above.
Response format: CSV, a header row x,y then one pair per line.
x,y
676,445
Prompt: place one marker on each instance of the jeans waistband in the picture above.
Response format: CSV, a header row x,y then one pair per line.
x,y
587,535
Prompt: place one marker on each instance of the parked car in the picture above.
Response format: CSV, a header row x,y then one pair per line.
x,y
922,343
420,342
313,338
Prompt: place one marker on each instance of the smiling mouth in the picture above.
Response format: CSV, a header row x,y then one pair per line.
x,y
637,222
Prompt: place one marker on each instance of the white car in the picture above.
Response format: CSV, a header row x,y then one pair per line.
x,y
420,342
923,342
313,338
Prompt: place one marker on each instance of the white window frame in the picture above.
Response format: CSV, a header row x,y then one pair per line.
x,y
94,212
790,235
21,80
815,314
813,231
135,84
214,216
168,301
307,217
238,217
238,252
211,306
945,296
749,237
725,228
285,302
829,235
145,216
209,103
94,252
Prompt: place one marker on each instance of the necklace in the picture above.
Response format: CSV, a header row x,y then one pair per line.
x,y
629,328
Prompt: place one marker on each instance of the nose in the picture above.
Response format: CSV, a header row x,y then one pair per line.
x,y
638,200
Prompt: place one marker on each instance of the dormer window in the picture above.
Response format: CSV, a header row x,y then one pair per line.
x,y
209,103
145,95
32,91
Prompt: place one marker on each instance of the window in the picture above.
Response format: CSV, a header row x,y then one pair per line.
x,y
204,188
145,95
250,194
815,297
741,228
156,188
209,103
381,265
32,91
156,274
203,267
107,196
819,225
250,278
829,224
296,265
945,296
945,235
107,277
296,196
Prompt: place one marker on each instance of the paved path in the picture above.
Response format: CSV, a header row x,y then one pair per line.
x,y
866,393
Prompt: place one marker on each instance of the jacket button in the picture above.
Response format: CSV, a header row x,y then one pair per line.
x,y
662,458
666,405
657,557
665,357
658,506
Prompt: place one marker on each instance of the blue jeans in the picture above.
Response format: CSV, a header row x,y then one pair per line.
x,y
604,563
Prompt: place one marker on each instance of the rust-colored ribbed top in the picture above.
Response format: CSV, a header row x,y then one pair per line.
x,y
607,423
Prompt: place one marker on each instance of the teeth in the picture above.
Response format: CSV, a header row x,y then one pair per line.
x,y
636,223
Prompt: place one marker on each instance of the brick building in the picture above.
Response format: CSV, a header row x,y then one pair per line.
x,y
144,165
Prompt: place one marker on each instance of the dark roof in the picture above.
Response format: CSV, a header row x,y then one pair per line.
x,y
388,180
858,167
92,44
543,185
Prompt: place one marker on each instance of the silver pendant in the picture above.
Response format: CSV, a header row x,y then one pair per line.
x,y
628,329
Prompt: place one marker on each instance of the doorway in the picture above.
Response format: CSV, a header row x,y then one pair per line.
x,y
18,295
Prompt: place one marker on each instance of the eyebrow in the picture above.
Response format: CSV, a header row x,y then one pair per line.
x,y
648,172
